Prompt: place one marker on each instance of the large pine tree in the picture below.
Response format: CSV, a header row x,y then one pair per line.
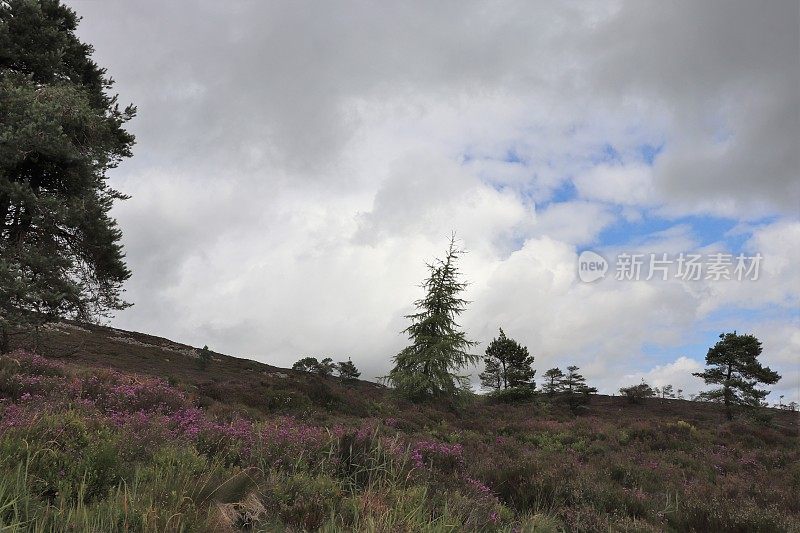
x,y
508,365
429,367
553,381
733,365
60,132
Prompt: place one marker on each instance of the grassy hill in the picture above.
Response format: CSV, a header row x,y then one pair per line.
x,y
109,430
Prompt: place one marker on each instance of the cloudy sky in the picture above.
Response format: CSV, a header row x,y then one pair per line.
x,y
298,163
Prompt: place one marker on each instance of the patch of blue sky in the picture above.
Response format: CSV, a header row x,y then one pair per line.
x,y
649,152
706,230
642,153
703,334
695,348
513,157
743,314
607,154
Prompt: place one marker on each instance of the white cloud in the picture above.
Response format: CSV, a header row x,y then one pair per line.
x,y
573,222
296,164
677,373
620,184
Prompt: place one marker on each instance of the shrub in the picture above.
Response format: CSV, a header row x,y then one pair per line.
x,y
637,393
303,500
66,456
513,395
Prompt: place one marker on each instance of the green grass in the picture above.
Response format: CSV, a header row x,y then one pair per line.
x,y
100,451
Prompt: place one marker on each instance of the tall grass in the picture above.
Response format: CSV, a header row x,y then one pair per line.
x,y
111,452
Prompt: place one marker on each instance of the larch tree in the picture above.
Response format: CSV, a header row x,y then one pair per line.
x,y
60,133
429,367
732,365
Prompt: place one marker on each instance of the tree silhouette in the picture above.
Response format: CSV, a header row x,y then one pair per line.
x,y
508,365
439,349
347,370
732,363
553,381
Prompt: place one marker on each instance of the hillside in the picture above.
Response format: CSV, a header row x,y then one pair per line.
x,y
231,380
121,431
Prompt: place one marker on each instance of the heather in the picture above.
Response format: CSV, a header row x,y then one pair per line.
x,y
92,449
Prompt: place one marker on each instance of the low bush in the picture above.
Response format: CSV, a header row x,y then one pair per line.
x,y
513,395
88,450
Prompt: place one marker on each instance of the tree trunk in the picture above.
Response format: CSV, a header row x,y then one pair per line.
x,y
727,394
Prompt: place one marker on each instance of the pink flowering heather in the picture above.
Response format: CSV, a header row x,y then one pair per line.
x,y
437,454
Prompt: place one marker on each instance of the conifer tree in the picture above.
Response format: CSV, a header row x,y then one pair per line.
x,y
306,364
733,365
326,367
429,367
347,370
60,132
311,364
493,375
637,393
508,365
575,387
553,381
575,383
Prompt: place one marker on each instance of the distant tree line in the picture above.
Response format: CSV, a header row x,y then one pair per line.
x,y
734,371
326,367
430,367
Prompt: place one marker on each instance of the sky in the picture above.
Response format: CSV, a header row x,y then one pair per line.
x,y
298,163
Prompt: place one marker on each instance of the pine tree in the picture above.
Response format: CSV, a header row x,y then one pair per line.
x,y
575,387
637,393
508,365
326,367
428,367
60,251
347,370
553,381
575,383
311,364
306,364
492,377
733,365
